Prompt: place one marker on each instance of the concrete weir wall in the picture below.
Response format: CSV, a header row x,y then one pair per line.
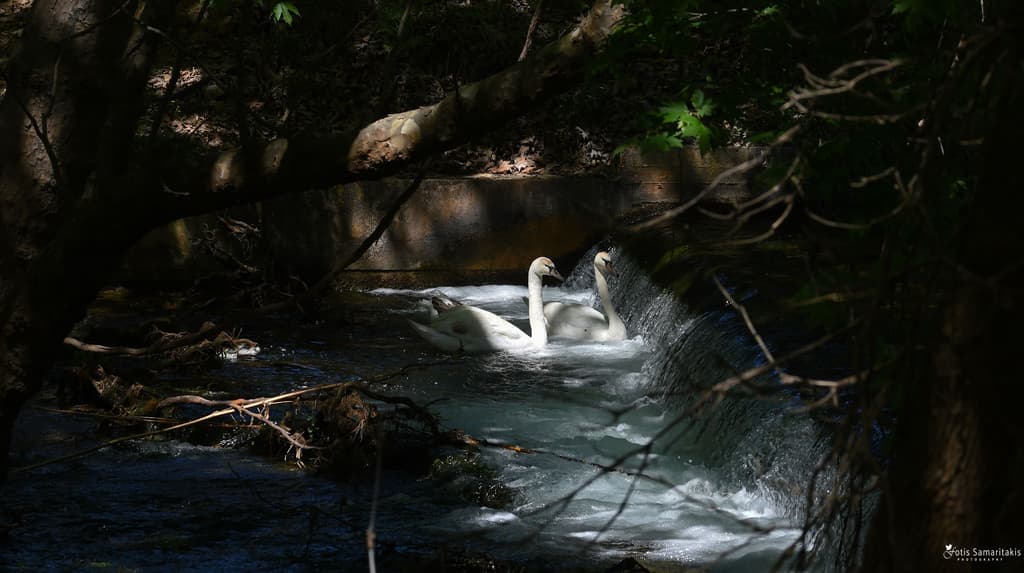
x,y
453,230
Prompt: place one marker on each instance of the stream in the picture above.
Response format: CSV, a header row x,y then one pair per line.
x,y
725,492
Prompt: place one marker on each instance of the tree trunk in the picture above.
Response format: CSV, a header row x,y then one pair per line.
x,y
73,89
958,462
74,197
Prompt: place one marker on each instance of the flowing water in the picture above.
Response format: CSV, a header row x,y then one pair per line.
x,y
726,491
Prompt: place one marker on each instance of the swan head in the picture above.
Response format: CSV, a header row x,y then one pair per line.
x,y
603,263
545,267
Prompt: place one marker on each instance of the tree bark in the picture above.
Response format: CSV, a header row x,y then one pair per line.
x,y
79,63
74,197
285,166
958,462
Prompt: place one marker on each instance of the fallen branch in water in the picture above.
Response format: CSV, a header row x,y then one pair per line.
x,y
167,341
293,438
134,419
233,405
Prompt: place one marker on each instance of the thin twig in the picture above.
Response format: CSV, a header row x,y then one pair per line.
x,y
291,437
724,386
41,134
840,86
382,226
530,30
248,404
747,165
371,528
771,230
854,226
746,318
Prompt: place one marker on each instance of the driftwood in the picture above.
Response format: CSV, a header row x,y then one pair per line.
x,y
180,349
247,407
250,408
167,341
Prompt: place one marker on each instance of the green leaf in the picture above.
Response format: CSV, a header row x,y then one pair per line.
x,y
692,126
697,99
673,113
705,110
661,142
284,11
702,106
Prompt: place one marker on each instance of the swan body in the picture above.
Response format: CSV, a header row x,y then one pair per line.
x,y
580,321
465,328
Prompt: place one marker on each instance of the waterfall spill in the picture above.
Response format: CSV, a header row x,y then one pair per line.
x,y
729,495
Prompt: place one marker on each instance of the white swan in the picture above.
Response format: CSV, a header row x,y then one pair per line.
x,y
580,321
467,328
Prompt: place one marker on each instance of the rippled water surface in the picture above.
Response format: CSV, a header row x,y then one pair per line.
x,y
723,496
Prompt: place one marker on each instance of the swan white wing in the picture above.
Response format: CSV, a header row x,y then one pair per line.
x,y
438,339
578,321
472,329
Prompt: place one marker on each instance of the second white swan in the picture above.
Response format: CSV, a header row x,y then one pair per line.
x,y
580,321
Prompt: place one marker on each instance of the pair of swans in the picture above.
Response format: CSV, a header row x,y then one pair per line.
x,y
467,328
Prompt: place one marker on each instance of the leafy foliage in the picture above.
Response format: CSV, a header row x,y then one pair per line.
x,y
688,119
279,11
891,100
284,11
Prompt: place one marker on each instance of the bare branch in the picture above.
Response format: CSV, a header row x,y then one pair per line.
x,y
233,405
371,528
789,200
868,179
747,165
297,164
728,384
905,194
530,30
166,342
41,134
368,242
854,226
295,440
746,319
836,86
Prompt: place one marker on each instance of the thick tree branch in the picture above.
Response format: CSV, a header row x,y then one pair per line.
x,y
293,165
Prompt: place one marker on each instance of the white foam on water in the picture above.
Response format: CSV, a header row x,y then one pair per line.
x,y
586,403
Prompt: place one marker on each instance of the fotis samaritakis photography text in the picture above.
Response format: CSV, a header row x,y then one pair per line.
x,y
982,554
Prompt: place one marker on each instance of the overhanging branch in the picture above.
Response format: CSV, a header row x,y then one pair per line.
x,y
285,166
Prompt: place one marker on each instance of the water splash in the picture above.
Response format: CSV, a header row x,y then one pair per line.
x,y
598,402
730,490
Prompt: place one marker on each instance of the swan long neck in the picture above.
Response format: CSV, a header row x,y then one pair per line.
x,y
538,325
615,325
